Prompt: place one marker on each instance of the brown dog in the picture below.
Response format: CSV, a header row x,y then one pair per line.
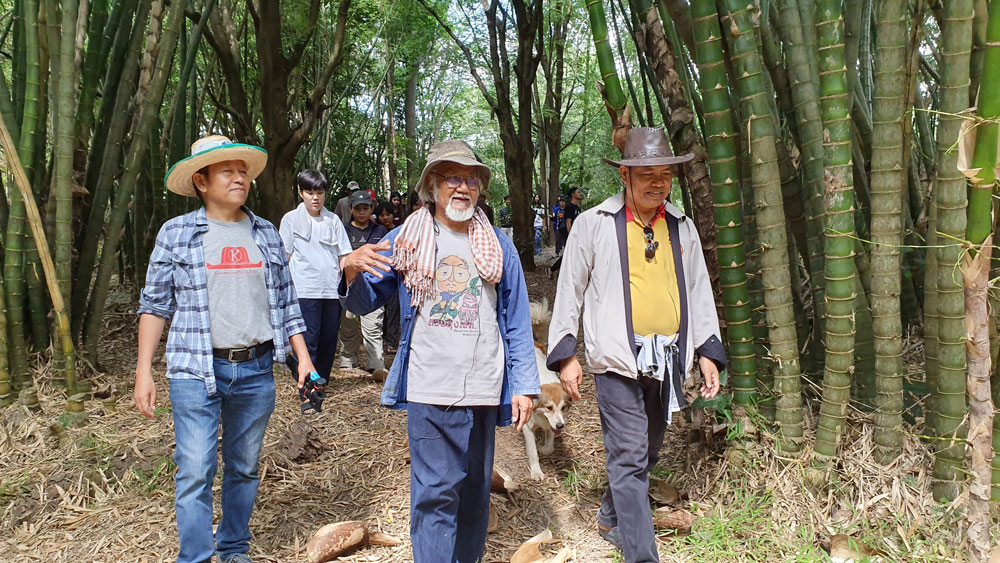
x,y
551,403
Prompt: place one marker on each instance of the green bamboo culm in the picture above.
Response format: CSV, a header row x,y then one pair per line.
x,y
114,124
950,198
14,285
838,269
766,179
805,93
151,92
888,179
605,56
6,392
724,170
65,129
980,219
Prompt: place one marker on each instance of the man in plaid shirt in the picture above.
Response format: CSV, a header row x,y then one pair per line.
x,y
221,274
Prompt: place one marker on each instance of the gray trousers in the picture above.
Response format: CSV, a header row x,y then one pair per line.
x,y
632,424
354,329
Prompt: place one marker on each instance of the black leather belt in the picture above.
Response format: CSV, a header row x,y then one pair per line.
x,y
243,354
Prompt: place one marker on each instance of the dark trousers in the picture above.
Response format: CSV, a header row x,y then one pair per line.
x,y
322,318
451,462
632,424
560,240
390,323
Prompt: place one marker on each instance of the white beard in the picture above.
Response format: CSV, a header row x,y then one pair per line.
x,y
459,216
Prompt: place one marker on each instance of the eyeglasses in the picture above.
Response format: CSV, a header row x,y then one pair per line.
x,y
651,245
456,181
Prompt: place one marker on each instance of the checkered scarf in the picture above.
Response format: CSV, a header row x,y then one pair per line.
x,y
415,247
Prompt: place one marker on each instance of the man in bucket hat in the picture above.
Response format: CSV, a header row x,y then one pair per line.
x,y
640,345
221,275
465,359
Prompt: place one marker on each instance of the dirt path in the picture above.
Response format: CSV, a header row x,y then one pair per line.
x,y
104,492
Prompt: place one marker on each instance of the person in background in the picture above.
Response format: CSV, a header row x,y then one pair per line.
x,y
539,224
415,203
343,208
569,215
398,212
481,204
361,231
390,323
558,225
314,240
221,276
506,218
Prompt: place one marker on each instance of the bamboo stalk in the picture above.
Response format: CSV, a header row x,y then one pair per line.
x,y
37,231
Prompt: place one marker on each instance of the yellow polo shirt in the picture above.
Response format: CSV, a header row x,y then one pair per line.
x,y
656,303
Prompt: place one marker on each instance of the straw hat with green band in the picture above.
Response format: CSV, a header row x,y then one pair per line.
x,y
209,150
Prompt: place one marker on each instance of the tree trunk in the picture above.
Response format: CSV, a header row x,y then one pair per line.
x,y
650,39
390,112
410,129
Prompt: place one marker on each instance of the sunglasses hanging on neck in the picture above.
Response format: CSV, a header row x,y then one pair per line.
x,y
651,244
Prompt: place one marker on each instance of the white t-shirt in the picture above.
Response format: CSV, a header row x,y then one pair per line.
x,y
314,245
456,354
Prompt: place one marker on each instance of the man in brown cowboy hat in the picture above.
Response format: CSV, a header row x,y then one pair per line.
x,y
220,274
640,345
465,360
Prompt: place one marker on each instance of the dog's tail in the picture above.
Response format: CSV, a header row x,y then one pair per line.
x,y
540,314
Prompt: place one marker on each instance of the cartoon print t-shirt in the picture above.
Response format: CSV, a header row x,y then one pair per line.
x,y
238,308
456,355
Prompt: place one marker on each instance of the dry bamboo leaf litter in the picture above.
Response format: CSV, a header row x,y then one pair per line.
x,y
109,485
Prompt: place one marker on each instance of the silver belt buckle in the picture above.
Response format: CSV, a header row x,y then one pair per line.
x,y
233,352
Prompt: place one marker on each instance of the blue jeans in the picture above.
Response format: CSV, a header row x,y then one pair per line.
x,y
451,453
243,402
322,318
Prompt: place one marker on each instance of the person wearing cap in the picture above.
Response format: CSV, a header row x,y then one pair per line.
x,y
220,275
465,360
642,344
363,230
343,207
558,225
314,240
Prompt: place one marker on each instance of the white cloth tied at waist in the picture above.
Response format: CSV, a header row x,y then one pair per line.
x,y
658,358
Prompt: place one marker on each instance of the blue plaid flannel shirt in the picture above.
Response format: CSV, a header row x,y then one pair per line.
x,y
177,289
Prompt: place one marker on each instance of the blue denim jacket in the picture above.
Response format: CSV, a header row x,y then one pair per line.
x,y
367,293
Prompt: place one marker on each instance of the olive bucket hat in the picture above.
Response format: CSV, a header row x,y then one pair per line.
x,y
456,151
209,150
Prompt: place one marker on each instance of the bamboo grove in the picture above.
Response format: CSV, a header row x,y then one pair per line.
x,y
853,176
843,180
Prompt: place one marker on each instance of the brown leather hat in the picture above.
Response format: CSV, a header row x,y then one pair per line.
x,y
648,146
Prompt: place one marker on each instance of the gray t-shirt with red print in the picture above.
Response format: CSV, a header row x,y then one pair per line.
x,y
237,290
456,354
